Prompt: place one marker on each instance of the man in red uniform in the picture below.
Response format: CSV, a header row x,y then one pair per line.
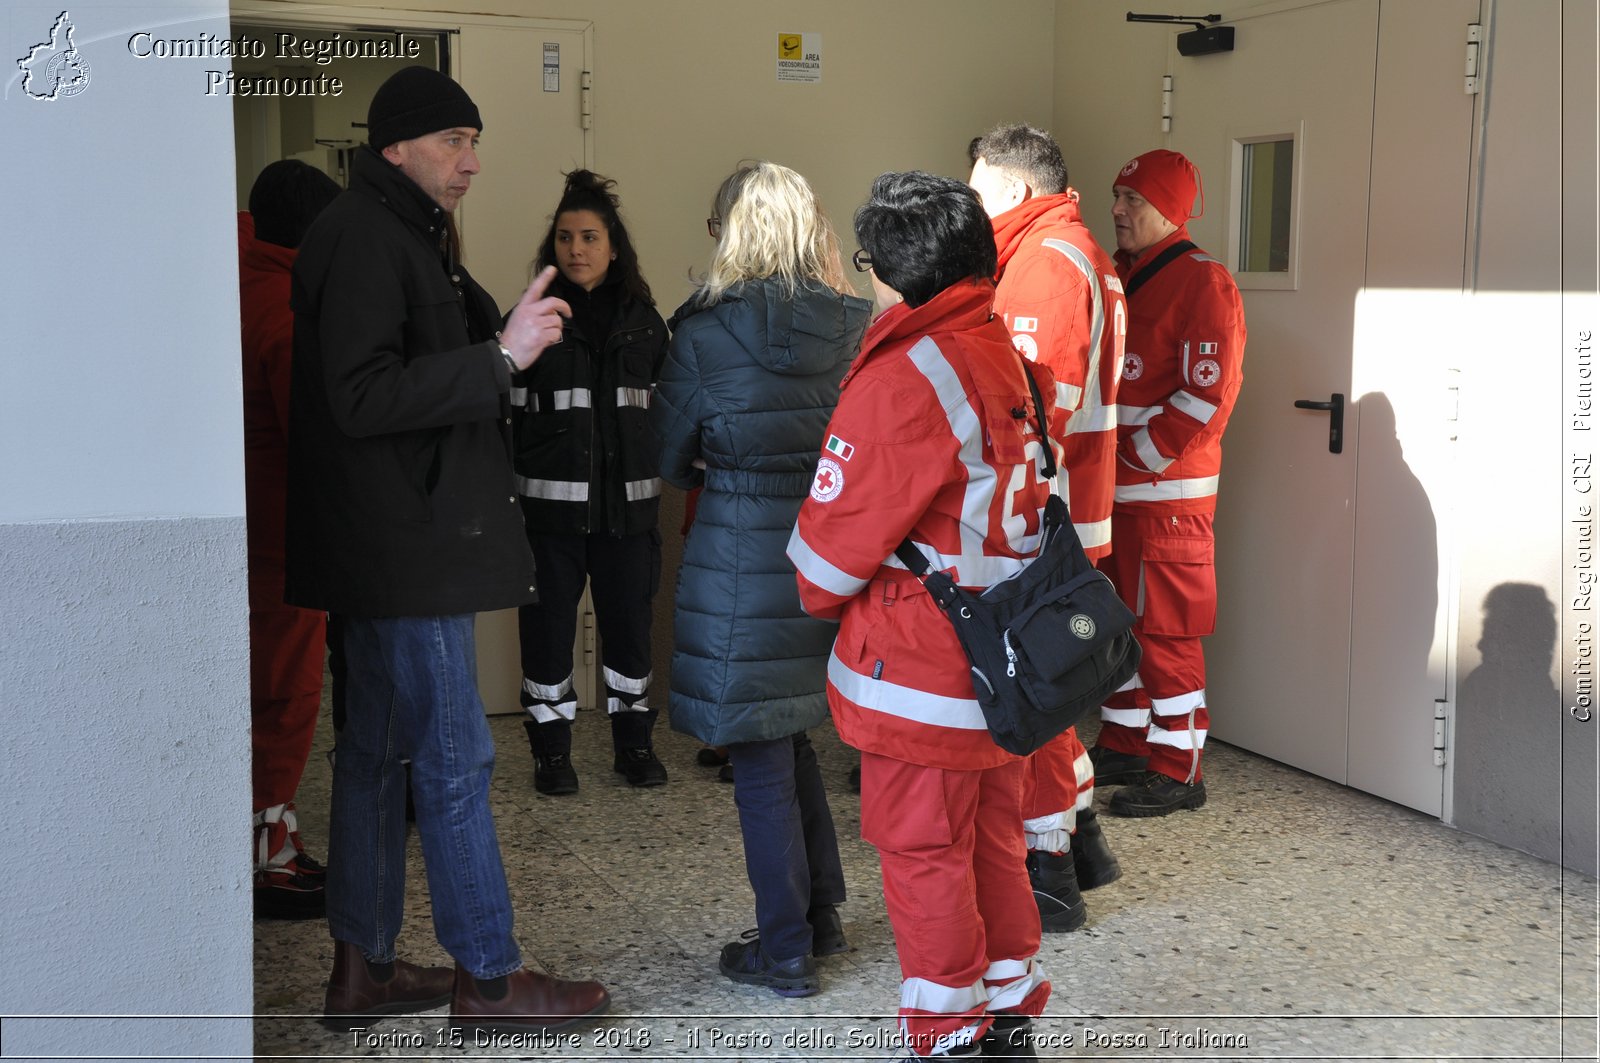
x,y
1180,377
285,642
1059,295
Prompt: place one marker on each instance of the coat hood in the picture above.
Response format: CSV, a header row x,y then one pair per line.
x,y
796,336
1011,228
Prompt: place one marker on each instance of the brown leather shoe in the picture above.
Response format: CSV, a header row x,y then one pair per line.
x,y
533,1003
355,997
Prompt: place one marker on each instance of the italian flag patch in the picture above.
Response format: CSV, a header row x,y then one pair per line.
x,y
840,448
1208,348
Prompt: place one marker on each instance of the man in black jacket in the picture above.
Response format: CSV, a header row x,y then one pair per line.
x,y
403,519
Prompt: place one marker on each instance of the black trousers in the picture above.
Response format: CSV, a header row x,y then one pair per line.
x,y
623,574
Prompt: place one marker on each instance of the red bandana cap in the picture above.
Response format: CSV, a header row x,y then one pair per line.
x,y
1168,181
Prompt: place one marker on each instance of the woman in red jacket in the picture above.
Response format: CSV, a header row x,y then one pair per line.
x,y
932,442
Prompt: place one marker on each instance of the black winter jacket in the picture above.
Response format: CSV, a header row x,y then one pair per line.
x,y
585,457
401,500
749,386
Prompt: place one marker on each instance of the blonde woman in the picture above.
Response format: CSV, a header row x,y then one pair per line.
x,y
750,381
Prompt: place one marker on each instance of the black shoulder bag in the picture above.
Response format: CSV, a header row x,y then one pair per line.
x,y
1046,645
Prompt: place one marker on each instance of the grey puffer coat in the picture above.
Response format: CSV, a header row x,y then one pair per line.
x,y
748,387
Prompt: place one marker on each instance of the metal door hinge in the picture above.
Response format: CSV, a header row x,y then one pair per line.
x,y
585,99
1166,103
1439,722
588,638
1474,42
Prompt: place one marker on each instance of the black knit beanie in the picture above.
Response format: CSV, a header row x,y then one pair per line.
x,y
414,102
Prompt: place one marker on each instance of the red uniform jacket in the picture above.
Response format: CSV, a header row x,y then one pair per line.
x,y
1059,295
925,443
267,335
1180,377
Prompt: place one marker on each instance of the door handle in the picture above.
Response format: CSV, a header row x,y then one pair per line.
x,y
1335,408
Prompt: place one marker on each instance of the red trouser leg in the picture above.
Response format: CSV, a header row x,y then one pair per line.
x,y
286,646
1175,597
1057,783
956,888
1125,716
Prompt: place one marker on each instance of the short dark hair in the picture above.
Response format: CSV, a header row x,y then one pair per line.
x,y
1029,153
925,233
286,197
587,190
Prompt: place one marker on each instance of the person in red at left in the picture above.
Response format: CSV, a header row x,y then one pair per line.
x,y
1180,379
1059,295
286,643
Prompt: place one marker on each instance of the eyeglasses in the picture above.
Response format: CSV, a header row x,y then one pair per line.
x,y
714,228
861,260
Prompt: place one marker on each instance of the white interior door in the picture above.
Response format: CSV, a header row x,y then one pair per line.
x,y
1330,636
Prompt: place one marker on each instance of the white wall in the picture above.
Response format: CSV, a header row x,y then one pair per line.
x,y
123,681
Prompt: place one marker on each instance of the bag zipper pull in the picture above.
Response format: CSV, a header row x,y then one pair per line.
x,y
1011,654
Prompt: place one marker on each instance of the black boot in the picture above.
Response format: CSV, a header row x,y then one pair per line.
x,y
1011,1037
553,773
635,755
1091,856
1055,890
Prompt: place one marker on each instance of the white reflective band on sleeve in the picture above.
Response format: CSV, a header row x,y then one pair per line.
x,y
1132,415
1006,989
575,398
1168,490
639,397
1093,419
919,994
1135,718
1097,316
905,702
1068,396
554,490
1160,736
519,396
1145,447
616,705
641,489
1182,705
819,570
1095,533
1195,407
625,684
548,693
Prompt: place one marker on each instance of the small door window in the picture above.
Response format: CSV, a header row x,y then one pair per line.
x,y
1264,236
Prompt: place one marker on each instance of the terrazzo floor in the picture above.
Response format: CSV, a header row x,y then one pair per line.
x,y
1288,919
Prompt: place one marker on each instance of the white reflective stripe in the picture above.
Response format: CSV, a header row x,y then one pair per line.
x,y
919,994
1194,406
568,399
1203,257
634,397
906,703
1126,717
1013,988
1049,834
1132,415
973,567
641,489
819,570
1136,683
519,396
626,684
1093,533
554,490
1145,447
541,692
542,713
1093,419
1097,317
1182,705
1168,490
1068,396
616,705
1185,375
1190,739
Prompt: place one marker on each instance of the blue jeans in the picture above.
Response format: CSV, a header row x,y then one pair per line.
x,y
413,693
790,850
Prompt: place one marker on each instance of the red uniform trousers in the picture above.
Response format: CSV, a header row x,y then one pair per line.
x,y
956,888
286,647
1162,566
1057,784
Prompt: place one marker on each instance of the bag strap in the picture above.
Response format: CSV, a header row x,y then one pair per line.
x,y
914,559
1182,247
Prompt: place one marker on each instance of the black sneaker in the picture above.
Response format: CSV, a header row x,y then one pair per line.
x,y
1155,794
827,932
1055,891
1092,858
746,961
1113,769
641,766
